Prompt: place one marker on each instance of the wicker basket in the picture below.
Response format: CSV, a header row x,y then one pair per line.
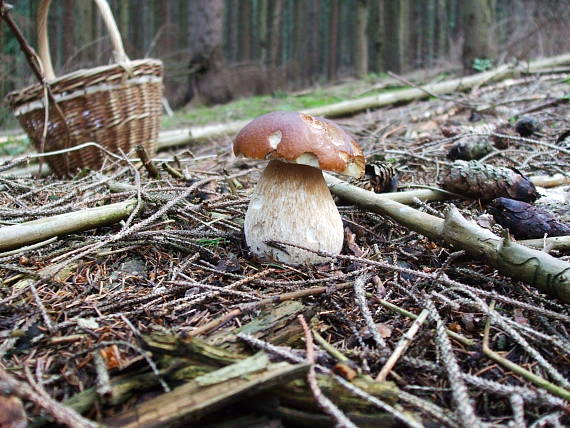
x,y
117,106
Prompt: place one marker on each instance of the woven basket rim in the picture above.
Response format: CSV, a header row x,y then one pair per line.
x,y
22,95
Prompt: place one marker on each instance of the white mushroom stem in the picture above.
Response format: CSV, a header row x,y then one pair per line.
x,y
292,204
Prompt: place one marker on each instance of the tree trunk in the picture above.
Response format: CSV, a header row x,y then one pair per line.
x,y
245,29
361,39
379,36
276,28
165,41
123,20
333,40
477,33
428,26
299,72
397,35
262,36
85,31
313,28
442,30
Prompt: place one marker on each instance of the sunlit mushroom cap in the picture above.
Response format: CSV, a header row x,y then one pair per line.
x,y
303,139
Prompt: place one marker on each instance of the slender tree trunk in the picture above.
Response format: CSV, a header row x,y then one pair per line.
x,y
245,29
313,29
397,35
84,31
276,29
379,36
361,39
333,40
165,41
442,29
477,32
123,19
299,43
262,31
68,29
429,28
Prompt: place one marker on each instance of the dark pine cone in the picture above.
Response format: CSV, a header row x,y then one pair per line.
x,y
379,177
526,221
527,125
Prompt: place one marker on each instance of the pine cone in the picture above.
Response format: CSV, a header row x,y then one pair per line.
x,y
481,181
526,221
379,177
470,147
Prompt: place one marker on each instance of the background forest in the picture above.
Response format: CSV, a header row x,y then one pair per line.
x,y
220,50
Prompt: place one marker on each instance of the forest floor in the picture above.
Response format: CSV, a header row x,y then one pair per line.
x,y
171,295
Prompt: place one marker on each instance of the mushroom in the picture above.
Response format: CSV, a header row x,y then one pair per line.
x,y
291,202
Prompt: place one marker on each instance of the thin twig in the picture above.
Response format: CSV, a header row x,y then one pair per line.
x,y
402,345
324,403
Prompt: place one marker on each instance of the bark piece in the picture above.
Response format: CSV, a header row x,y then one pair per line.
x,y
526,221
192,400
481,181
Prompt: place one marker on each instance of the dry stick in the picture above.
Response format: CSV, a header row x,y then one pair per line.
x,y
41,307
531,377
465,409
359,284
62,414
402,346
335,353
172,171
531,396
517,403
147,162
273,300
454,335
324,403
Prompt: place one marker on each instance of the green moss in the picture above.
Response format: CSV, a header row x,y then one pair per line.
x,y
14,146
248,108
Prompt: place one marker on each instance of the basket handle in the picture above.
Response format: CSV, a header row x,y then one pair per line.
x,y
119,54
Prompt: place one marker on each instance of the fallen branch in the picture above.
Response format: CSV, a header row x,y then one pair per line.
x,y
174,138
536,268
62,224
553,243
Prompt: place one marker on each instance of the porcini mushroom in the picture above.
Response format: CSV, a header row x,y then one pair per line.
x,y
291,202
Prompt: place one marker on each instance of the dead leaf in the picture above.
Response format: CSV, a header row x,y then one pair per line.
x,y
519,317
111,356
384,330
350,239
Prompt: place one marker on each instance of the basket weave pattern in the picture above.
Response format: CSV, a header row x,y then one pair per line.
x,y
116,106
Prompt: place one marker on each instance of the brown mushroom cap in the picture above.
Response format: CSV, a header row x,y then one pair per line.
x,y
303,139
